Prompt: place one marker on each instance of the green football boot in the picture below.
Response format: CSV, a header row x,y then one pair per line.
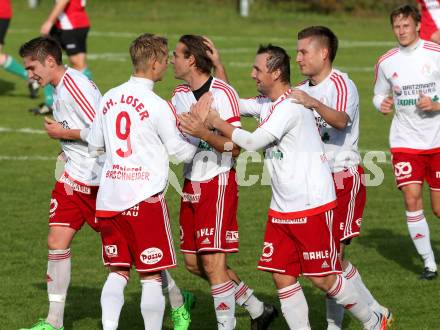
x,y
42,325
181,316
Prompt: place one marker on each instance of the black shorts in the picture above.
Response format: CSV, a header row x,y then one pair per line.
x,y
4,24
72,41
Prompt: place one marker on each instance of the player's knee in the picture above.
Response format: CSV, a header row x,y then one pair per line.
x,y
56,243
210,265
324,283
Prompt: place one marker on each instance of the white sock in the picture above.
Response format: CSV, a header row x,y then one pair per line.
x,y
346,295
152,304
170,287
419,231
352,275
244,296
294,307
112,300
224,305
58,279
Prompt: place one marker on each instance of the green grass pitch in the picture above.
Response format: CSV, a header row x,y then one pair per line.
x,y
384,254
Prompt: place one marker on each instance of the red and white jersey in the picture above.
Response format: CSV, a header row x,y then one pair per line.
x,y
430,10
301,179
138,130
338,92
208,162
76,99
74,16
405,73
5,9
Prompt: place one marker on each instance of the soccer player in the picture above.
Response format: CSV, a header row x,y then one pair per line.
x,y
138,130
208,214
430,21
407,83
334,99
69,24
298,239
73,197
7,61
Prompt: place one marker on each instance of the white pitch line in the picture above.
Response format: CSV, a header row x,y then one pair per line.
x,y
27,158
25,130
258,38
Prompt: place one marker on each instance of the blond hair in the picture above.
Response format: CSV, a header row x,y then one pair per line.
x,y
145,48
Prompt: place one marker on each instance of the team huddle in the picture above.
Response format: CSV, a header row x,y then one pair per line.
x,y
117,148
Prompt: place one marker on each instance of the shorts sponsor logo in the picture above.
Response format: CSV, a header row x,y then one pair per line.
x,y
299,221
182,235
267,252
206,241
437,175
192,198
316,255
205,232
75,186
111,251
402,170
132,212
53,206
70,46
358,222
151,256
232,236
325,265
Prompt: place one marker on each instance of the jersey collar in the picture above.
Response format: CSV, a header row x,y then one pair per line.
x,y
143,81
410,49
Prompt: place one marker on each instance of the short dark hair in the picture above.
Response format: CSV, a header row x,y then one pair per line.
x,y
195,45
147,47
324,35
40,48
278,59
405,11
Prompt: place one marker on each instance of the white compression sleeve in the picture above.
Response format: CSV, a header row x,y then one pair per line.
x,y
252,141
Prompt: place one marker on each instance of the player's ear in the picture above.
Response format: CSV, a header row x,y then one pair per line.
x,y
418,27
192,60
50,61
276,74
324,53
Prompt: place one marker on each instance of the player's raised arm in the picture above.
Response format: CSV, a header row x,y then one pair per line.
x,y
339,119
214,55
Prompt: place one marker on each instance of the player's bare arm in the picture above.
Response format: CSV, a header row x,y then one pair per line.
x,y
53,16
214,55
193,124
425,103
337,119
56,131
